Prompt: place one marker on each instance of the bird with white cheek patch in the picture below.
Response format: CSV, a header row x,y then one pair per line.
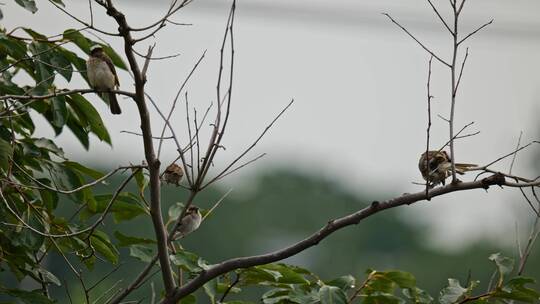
x,y
102,76
190,222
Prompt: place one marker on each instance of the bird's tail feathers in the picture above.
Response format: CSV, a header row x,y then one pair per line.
x,y
113,103
462,168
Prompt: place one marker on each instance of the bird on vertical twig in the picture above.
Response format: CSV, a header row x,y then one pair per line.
x,y
102,76
173,174
436,166
190,222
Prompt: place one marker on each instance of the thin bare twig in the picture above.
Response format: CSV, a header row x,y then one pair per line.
x,y
475,31
134,285
461,70
515,154
268,127
535,230
440,17
230,287
418,41
85,230
429,97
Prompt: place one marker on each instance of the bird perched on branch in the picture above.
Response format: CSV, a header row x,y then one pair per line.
x,y
436,166
102,76
173,174
190,222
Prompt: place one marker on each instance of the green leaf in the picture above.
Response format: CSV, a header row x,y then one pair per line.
x,y
59,2
6,152
78,62
48,197
44,71
125,207
126,240
35,35
504,264
418,295
304,295
222,287
80,132
189,299
59,112
272,274
210,288
48,145
186,260
62,65
29,5
385,298
102,244
332,295
142,182
13,47
515,289
452,293
115,58
49,277
401,278
76,37
28,297
142,253
175,210
276,295
89,116
84,170
345,282
28,237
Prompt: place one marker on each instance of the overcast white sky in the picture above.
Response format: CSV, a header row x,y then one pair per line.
x,y
359,86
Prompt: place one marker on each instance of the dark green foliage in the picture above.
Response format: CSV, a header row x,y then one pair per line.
x,y
32,168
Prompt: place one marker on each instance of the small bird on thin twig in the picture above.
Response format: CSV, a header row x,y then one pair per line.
x,y
190,222
102,76
173,174
436,166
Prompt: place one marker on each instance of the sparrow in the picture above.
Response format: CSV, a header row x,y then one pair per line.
x,y
102,76
190,222
173,174
437,166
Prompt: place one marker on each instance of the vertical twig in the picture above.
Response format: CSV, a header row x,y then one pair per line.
x,y
535,230
515,154
453,90
428,129
150,155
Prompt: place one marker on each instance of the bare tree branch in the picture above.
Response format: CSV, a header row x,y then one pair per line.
x,y
417,41
331,227
475,31
151,159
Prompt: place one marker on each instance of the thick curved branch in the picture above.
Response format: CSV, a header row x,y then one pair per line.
x,y
331,227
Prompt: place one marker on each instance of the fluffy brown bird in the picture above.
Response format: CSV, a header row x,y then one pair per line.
x,y
173,174
436,166
190,222
102,76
